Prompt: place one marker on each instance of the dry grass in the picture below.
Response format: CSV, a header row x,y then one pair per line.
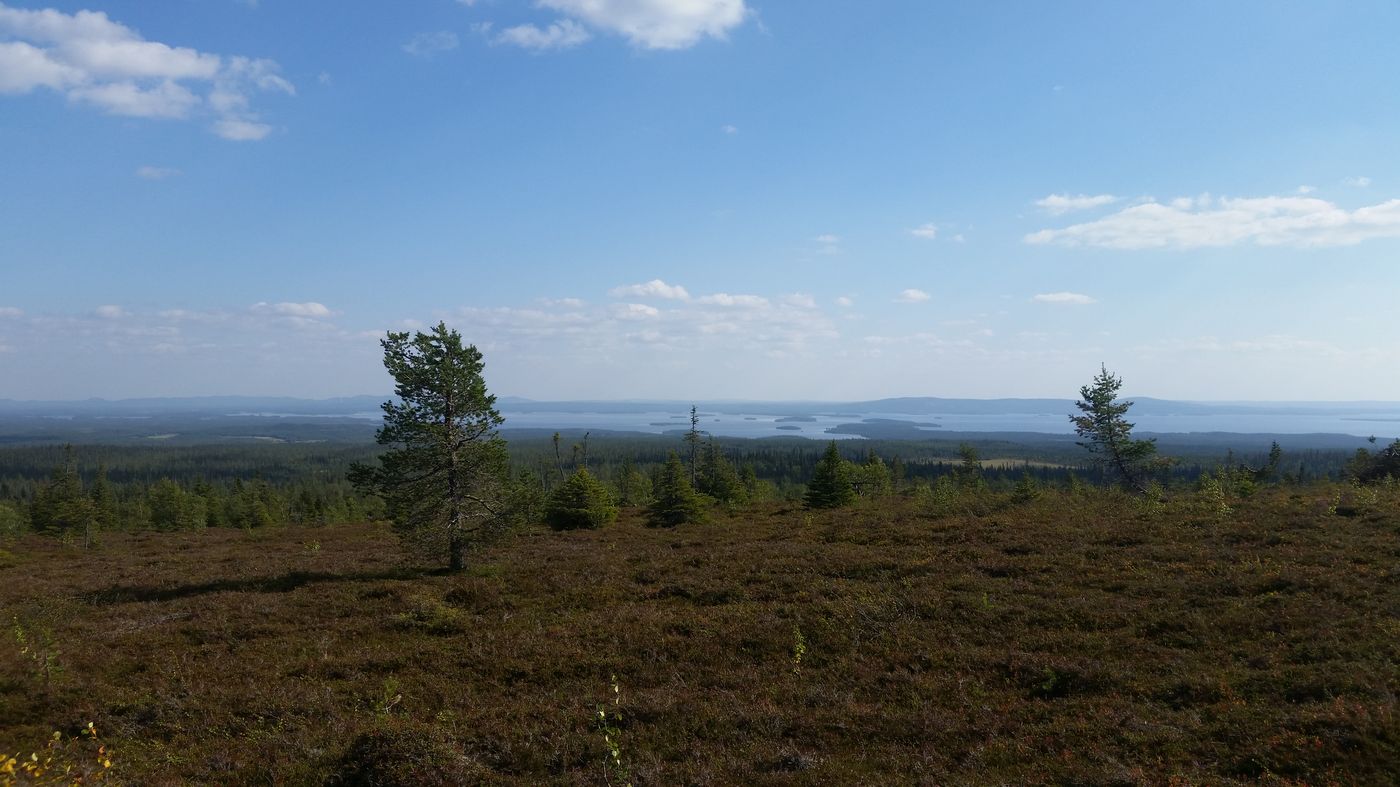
x,y
1062,641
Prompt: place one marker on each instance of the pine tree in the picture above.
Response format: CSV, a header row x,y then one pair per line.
x,y
1109,436
446,479
968,474
674,500
830,486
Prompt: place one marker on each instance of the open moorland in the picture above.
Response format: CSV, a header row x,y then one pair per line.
x,y
1087,639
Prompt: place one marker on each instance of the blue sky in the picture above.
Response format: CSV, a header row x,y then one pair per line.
x,y
699,199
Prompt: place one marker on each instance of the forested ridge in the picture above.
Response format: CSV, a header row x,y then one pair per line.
x,y
241,485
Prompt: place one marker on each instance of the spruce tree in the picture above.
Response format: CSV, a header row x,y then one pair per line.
x,y
582,501
830,486
674,500
718,478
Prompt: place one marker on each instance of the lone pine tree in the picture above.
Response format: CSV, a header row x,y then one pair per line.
x,y
445,478
1108,435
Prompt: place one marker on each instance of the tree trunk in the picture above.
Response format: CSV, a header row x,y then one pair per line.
x,y
457,550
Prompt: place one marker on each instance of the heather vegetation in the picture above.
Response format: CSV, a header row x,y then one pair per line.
x,y
1086,636
619,617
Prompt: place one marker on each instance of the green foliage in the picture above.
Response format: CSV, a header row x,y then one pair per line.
x,y
830,486
633,486
873,478
445,478
1108,435
674,500
1367,467
718,478
60,507
174,509
1212,495
582,501
967,476
1026,490
11,520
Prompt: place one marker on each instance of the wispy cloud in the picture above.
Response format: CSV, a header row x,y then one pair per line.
x,y
156,173
655,24
1360,181
655,288
429,44
1198,222
1057,204
307,309
912,296
96,61
926,231
563,34
1064,298
828,243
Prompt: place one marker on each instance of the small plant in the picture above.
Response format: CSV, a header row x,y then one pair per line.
x,y
38,646
943,497
61,761
1027,489
1213,495
388,699
614,769
311,547
799,649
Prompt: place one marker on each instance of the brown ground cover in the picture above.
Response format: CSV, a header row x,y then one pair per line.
x,y
1066,640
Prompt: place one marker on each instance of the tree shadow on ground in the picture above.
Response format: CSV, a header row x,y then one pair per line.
x,y
282,583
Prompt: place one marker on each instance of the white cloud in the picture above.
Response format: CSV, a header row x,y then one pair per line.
x,y
656,24
1058,204
729,129
655,288
567,303
156,173
913,296
828,243
429,44
563,34
844,302
241,130
799,299
1306,189
926,231
1187,223
725,299
96,61
110,312
635,311
1070,298
1360,181
310,309
11,312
